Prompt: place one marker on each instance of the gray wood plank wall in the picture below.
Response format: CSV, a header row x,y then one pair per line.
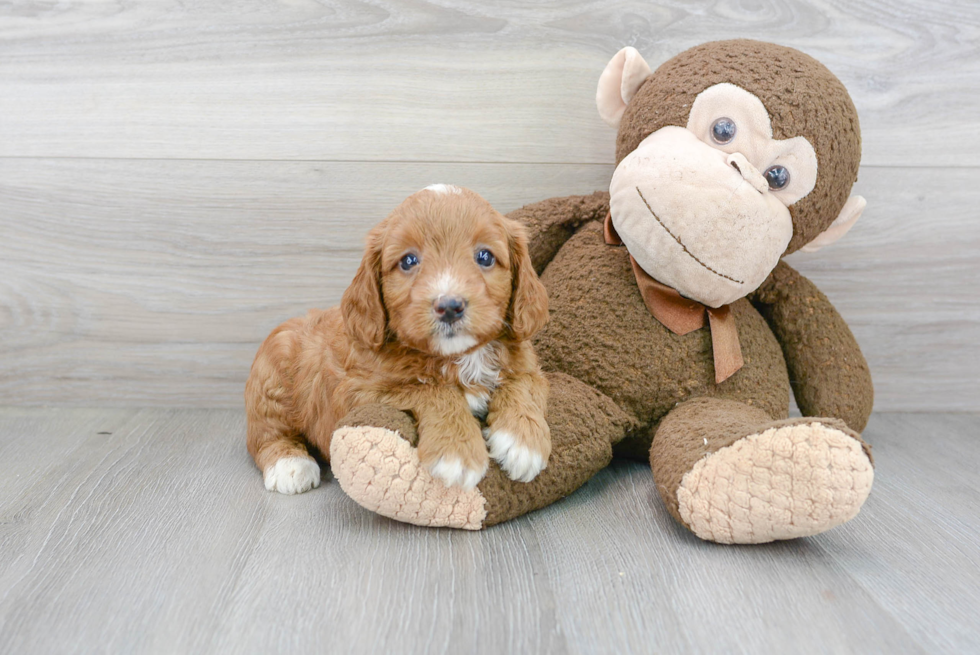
x,y
176,179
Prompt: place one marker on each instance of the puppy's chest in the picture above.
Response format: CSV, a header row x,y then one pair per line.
x,y
478,374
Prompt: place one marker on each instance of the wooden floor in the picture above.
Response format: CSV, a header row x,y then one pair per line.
x,y
147,531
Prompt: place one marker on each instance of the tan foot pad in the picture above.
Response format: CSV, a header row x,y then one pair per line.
x,y
786,482
381,472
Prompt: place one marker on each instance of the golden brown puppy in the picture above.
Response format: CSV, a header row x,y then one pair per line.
x,y
437,322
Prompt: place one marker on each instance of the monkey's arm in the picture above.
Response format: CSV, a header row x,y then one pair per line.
x,y
829,375
550,223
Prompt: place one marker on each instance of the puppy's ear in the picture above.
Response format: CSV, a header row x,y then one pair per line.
x,y
362,307
529,300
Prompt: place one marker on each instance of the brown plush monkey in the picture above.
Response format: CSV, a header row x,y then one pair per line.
x,y
676,332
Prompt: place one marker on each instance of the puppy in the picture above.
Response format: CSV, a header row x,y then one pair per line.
x,y
437,323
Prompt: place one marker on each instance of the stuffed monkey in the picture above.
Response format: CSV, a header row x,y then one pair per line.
x,y
676,331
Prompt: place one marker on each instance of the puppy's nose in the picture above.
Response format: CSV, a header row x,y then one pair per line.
x,y
450,309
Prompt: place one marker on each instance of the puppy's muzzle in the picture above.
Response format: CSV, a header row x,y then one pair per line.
x,y
449,309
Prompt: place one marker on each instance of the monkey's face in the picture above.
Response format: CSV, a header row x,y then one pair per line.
x,y
703,208
718,151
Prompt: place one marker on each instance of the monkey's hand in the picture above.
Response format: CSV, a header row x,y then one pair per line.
x,y
550,223
827,371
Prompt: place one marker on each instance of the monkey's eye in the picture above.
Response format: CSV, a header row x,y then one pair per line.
x,y
408,262
777,176
485,258
723,131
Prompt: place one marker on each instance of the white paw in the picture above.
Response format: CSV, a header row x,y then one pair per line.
x,y
292,475
451,472
518,461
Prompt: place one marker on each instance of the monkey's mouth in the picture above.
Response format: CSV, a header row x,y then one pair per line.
x,y
681,243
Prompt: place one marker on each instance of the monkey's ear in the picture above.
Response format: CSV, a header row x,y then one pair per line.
x,y
848,216
618,84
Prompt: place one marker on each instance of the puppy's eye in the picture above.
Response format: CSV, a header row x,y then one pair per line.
x,y
777,177
408,262
723,131
485,258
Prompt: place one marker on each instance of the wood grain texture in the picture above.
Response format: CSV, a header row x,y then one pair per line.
x,y
905,279
409,80
159,537
153,282
176,179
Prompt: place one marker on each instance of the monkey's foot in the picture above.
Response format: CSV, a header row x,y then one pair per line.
x,y
381,472
374,459
784,482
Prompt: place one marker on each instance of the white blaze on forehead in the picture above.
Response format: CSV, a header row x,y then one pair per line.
x,y
445,285
444,189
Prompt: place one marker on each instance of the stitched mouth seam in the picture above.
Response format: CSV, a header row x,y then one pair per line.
x,y
681,243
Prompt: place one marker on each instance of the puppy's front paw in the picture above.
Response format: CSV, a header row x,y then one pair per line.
x,y
452,472
292,475
521,462
457,458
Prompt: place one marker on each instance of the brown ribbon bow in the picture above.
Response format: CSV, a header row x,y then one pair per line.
x,y
681,315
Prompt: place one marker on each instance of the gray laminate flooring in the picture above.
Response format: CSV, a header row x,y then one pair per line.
x,y
149,531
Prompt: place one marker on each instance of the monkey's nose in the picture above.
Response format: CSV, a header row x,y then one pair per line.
x,y
450,309
749,172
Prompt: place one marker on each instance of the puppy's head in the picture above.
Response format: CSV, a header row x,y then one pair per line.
x,y
445,272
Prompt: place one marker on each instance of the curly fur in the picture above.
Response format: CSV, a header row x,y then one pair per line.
x,y
385,344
